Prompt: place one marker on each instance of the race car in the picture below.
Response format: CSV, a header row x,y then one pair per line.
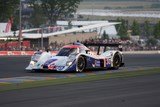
x,y
75,57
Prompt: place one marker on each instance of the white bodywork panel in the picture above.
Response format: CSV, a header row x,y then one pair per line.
x,y
37,64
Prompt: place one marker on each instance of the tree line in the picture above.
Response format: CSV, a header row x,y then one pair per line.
x,y
42,10
146,30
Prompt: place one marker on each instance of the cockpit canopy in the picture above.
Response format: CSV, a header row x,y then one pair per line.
x,y
72,49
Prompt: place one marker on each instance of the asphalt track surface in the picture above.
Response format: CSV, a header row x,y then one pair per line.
x,y
141,91
11,66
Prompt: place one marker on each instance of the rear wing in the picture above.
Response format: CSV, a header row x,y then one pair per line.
x,y
104,45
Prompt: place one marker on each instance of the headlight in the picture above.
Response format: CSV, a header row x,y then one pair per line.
x,y
69,63
32,63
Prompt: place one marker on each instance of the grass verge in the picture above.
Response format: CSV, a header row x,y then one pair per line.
x,y
33,84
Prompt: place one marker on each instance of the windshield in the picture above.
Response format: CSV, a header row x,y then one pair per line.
x,y
67,51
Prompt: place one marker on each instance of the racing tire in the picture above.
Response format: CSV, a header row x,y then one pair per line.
x,y
117,61
81,64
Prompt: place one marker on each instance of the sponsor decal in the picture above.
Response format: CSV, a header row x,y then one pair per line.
x,y
9,53
59,68
108,61
50,61
38,65
97,63
52,67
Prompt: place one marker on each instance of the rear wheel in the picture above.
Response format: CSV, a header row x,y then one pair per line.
x,y
81,64
116,60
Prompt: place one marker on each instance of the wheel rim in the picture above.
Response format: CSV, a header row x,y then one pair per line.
x,y
81,64
117,61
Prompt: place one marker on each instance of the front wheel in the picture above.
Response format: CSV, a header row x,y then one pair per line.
x,y
116,60
81,64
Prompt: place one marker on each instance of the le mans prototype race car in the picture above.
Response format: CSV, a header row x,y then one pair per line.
x,y
75,57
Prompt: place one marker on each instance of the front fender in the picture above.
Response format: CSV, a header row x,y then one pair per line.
x,y
37,64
